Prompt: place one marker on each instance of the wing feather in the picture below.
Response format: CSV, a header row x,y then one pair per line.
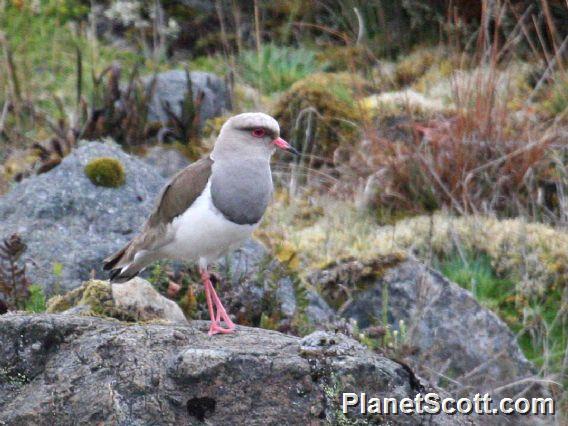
x,y
176,197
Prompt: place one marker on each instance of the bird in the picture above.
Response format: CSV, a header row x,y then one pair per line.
x,y
209,208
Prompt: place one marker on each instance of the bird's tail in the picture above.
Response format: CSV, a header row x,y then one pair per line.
x,y
121,265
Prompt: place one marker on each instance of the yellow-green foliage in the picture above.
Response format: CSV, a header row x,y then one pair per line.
x,y
533,255
554,103
331,96
105,171
18,162
213,126
414,65
344,58
96,294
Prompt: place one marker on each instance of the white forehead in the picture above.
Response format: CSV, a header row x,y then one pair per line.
x,y
253,119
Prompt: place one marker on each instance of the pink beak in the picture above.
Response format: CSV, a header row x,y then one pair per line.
x,y
282,144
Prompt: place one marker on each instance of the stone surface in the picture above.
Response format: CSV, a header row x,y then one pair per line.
x,y
168,161
80,370
171,86
140,298
447,336
70,225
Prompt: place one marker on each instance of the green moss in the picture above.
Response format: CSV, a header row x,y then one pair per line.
x,y
322,106
414,65
95,294
344,58
60,303
98,295
105,171
554,102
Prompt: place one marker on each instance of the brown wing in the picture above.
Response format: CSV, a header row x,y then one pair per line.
x,y
176,197
181,192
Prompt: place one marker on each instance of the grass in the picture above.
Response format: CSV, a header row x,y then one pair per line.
x,y
276,68
538,321
45,62
475,273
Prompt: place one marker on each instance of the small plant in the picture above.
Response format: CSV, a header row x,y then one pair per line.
x,y
185,126
36,301
105,171
119,111
14,285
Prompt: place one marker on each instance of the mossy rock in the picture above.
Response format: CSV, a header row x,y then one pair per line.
x,y
413,66
325,104
340,280
106,171
345,58
96,296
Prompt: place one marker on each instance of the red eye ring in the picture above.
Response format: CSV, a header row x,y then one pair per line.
x,y
259,133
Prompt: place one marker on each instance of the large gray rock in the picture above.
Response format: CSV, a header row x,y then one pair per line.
x,y
66,220
70,370
168,161
171,87
446,335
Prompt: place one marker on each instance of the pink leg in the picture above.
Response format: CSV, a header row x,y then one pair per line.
x,y
216,310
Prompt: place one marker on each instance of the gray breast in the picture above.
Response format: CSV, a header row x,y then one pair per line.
x,y
241,190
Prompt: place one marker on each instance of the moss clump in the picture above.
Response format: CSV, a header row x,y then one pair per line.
x,y
106,171
97,296
413,66
554,101
344,58
321,108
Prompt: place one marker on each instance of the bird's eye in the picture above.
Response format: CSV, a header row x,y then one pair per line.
x,y
259,133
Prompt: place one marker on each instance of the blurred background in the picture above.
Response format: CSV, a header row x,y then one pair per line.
x,y
434,129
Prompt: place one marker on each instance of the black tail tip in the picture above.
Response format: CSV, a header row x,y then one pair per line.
x,y
116,276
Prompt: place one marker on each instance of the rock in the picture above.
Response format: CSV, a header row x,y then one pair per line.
x,y
253,284
80,370
446,335
171,86
168,161
135,300
139,297
70,225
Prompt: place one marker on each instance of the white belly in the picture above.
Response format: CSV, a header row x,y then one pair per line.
x,y
203,233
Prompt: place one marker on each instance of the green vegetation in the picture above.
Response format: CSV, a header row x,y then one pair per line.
x,y
104,171
45,54
36,301
521,313
319,113
275,68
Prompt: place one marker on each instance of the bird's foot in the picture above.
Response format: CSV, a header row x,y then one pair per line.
x,y
217,311
215,328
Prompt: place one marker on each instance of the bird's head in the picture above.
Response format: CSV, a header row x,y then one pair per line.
x,y
251,134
